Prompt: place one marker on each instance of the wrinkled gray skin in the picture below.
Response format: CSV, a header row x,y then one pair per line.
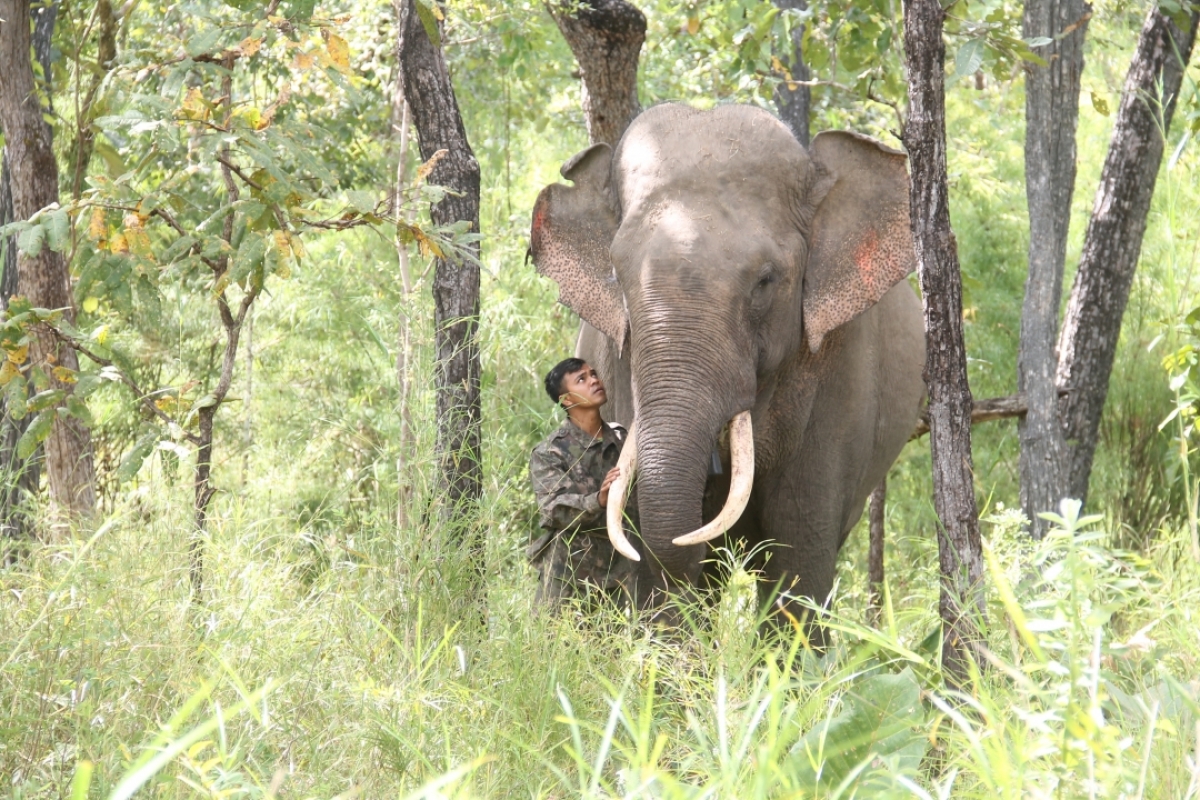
x,y
740,271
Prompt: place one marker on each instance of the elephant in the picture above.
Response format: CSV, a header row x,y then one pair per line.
x,y
745,300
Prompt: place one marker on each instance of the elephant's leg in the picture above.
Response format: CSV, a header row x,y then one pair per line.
x,y
802,524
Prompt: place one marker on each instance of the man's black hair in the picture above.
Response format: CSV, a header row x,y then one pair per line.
x,y
554,378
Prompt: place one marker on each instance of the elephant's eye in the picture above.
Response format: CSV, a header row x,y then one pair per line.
x,y
766,276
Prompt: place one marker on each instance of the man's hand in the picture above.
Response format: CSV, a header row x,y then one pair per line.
x,y
612,475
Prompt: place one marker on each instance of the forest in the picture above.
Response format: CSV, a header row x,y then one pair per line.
x,y
275,336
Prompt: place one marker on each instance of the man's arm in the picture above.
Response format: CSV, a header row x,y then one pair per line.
x,y
561,504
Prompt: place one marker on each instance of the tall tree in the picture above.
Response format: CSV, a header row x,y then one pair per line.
x,y
959,548
606,37
1051,115
793,97
19,477
1113,240
42,277
439,128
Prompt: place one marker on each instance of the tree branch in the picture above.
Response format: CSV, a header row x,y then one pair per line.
x,y
141,396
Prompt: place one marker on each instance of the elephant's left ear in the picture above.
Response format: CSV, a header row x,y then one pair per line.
x,y
572,234
861,243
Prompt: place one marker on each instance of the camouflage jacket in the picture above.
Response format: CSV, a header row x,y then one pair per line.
x,y
567,469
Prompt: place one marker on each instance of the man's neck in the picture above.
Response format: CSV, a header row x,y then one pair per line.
x,y
587,420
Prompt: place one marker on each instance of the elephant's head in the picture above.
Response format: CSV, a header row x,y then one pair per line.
x,y
719,251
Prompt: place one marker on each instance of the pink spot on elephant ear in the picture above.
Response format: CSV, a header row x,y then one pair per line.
x,y
541,214
867,259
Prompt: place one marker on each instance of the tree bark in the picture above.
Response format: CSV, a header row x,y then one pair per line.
x,y
1051,116
19,478
606,37
42,278
794,105
959,549
1113,240
439,126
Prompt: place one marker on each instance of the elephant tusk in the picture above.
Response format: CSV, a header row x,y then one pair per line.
x,y
617,495
741,446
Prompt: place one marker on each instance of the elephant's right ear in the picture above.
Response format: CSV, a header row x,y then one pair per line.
x,y
861,243
573,230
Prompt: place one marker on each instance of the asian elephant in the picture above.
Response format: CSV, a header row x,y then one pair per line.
x,y
722,268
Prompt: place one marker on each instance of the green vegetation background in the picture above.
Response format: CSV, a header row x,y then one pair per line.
x,y
334,653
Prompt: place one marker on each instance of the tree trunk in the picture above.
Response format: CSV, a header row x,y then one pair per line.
x,y
42,278
959,549
606,37
794,105
1113,240
18,478
439,126
1051,114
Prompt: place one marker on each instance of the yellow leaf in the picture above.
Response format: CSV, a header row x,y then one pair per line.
x,y
96,226
117,244
136,239
252,116
90,304
65,375
222,283
282,244
269,114
303,61
693,25
101,334
18,354
437,12
427,246
194,106
8,371
297,246
249,46
339,51
1100,104
426,168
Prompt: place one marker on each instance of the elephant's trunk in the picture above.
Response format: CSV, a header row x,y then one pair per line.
x,y
683,400
741,446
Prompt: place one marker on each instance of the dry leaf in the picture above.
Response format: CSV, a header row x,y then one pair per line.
x,y
194,106
96,225
249,46
426,168
339,51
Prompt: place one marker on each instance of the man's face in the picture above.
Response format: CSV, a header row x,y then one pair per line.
x,y
583,389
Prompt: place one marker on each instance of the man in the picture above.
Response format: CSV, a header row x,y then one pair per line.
x,y
572,470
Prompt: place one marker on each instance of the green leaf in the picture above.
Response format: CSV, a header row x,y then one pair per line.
x,y
201,43
58,228
132,462
46,399
429,21
14,396
36,433
79,410
968,59
31,239
301,9
882,717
